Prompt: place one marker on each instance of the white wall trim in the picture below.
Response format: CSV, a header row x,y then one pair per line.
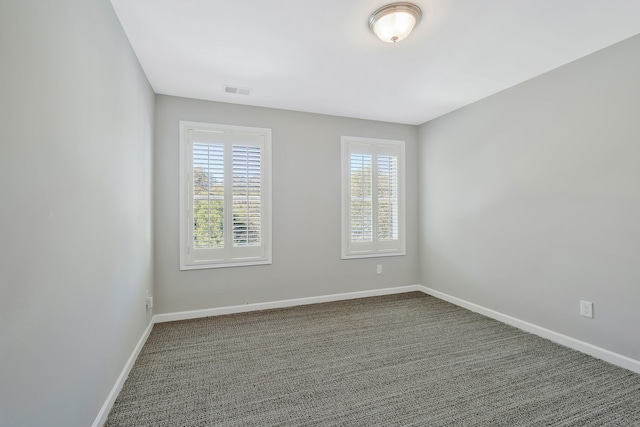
x,y
111,398
183,315
567,341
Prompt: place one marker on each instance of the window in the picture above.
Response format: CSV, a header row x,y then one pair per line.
x,y
225,182
372,197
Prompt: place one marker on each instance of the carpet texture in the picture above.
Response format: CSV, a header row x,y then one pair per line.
x,y
397,360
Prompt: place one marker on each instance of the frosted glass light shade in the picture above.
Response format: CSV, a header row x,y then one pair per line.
x,y
394,22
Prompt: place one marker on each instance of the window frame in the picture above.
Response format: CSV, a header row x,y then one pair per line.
x,y
375,147
187,248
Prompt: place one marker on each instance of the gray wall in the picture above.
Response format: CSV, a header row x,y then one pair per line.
x,y
306,211
530,200
76,123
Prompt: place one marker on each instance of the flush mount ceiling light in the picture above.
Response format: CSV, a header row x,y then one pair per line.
x,y
395,21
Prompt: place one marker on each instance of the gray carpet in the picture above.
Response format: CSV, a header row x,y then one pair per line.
x,y
396,360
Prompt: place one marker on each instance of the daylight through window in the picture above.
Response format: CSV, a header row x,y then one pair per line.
x,y
225,195
373,197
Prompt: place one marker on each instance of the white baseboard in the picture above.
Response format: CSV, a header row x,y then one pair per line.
x,y
567,341
194,314
111,398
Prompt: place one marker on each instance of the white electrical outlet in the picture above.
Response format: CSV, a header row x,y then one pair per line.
x,y
586,309
379,269
149,301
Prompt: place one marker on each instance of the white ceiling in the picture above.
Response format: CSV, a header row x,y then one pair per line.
x,y
319,56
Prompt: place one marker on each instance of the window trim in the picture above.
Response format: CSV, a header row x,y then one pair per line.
x,y
375,145
186,187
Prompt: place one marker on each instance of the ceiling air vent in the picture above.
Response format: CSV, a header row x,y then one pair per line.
x,y
237,90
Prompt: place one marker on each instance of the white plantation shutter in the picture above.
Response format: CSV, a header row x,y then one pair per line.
x,y
373,202
387,197
226,196
361,188
208,195
246,195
